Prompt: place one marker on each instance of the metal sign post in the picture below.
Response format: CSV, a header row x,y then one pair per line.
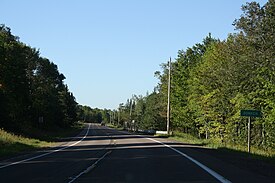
x,y
248,133
249,114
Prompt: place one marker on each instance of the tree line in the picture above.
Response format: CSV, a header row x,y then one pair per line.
x,y
213,80
32,90
93,115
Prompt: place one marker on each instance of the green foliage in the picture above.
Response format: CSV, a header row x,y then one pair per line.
x,y
11,144
31,87
87,114
258,153
142,113
213,80
154,115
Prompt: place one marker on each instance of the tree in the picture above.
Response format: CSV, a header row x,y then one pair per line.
x,y
31,87
13,79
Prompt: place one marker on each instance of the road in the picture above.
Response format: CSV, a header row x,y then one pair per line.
x,y
102,154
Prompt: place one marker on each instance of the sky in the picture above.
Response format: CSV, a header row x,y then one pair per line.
x,y
110,49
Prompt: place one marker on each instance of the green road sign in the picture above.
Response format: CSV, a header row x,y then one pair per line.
x,y
251,113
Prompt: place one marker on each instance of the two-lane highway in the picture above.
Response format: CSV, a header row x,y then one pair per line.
x,y
102,154
141,159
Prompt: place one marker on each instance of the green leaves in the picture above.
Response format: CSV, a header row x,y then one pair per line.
x,y
31,87
213,80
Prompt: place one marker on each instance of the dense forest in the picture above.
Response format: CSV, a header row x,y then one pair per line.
x,y
32,90
213,80
33,93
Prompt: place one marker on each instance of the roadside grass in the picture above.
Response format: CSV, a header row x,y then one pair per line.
x,y
256,152
55,134
12,144
189,139
114,126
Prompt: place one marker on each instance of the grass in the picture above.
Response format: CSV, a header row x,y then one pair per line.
x,y
11,144
55,134
114,126
189,139
256,153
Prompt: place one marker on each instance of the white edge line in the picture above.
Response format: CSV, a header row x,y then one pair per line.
x,y
51,152
208,170
211,172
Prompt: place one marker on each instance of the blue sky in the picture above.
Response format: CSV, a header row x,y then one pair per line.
x,y
110,49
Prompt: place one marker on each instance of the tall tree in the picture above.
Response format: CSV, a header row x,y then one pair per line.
x,y
31,87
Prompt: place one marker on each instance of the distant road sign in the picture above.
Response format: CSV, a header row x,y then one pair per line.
x,y
251,113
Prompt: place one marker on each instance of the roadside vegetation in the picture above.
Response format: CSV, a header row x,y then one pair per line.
x,y
37,107
211,82
256,152
32,90
12,144
115,127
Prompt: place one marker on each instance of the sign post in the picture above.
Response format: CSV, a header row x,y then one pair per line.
x,y
248,133
249,114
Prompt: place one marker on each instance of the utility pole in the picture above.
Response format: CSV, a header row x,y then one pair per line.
x,y
130,121
118,116
168,101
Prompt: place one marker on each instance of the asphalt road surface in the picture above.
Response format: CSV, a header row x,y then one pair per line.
x,y
102,154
